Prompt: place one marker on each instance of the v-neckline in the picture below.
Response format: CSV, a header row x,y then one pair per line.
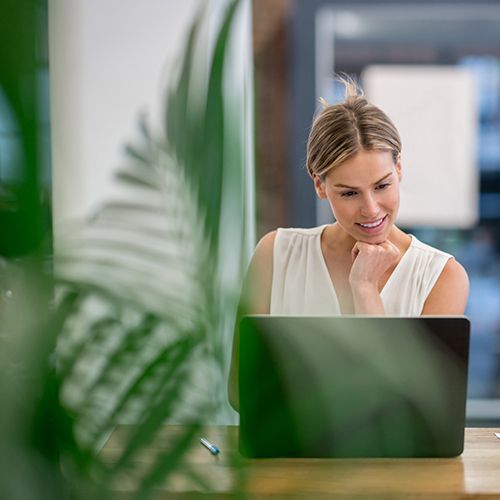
x,y
329,278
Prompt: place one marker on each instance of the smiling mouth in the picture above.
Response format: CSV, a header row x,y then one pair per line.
x,y
372,225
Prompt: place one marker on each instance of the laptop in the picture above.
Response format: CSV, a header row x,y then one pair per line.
x,y
352,386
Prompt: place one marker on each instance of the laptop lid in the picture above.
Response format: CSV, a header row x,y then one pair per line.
x,y
353,386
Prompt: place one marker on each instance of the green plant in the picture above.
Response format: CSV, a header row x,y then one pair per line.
x,y
140,300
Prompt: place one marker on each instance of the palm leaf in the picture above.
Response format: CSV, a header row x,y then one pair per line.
x,y
146,431
145,271
201,131
144,386
166,463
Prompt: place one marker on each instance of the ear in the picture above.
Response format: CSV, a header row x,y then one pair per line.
x,y
319,186
399,169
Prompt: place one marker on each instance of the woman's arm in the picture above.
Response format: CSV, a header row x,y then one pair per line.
x,y
449,294
255,299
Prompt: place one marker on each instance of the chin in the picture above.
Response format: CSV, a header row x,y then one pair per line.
x,y
374,239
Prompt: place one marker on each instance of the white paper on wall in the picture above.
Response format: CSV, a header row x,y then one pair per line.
x,y
434,109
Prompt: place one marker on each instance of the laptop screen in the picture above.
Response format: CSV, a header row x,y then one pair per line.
x,y
353,386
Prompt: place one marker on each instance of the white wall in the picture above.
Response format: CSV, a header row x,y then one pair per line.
x,y
108,60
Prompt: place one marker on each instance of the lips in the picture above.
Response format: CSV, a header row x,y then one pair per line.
x,y
372,226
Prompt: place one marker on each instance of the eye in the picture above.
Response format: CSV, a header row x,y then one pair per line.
x,y
348,194
383,186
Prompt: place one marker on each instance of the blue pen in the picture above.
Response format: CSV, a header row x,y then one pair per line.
x,y
209,446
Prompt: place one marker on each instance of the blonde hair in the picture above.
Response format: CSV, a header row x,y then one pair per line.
x,y
342,130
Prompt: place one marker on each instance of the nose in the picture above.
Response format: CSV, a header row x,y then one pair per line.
x,y
369,206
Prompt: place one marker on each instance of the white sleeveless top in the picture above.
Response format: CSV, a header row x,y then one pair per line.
x,y
302,284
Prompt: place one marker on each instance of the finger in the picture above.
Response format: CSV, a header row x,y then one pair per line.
x,y
390,249
388,245
354,252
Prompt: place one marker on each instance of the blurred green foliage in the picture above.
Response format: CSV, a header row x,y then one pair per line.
x,y
130,322
24,220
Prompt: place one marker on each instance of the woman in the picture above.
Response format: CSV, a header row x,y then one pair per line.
x,y
363,263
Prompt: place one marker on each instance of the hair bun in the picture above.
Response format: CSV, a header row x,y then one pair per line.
x,y
340,130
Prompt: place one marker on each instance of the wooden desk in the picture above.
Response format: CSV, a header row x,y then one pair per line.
x,y
474,474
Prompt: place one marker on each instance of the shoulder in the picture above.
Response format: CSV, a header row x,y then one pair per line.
x,y
451,291
264,248
293,235
256,292
261,264
444,277
454,274
300,231
281,238
266,244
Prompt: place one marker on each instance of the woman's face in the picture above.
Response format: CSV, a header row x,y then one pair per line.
x,y
364,195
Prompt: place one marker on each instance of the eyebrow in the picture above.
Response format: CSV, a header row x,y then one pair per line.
x,y
351,187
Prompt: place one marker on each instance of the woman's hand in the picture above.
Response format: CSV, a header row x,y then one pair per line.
x,y
369,264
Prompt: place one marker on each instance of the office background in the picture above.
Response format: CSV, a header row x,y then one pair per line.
x,y
299,44
286,54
